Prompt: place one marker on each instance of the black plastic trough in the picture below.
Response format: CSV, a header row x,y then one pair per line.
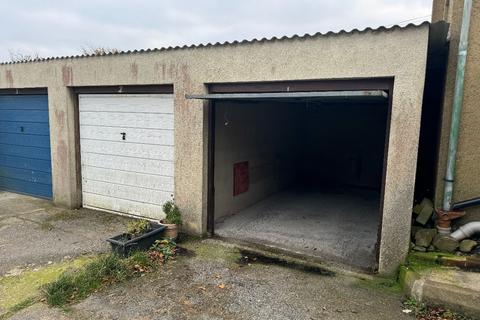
x,y
124,244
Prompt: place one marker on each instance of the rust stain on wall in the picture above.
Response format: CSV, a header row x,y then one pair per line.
x,y
67,75
134,69
173,70
164,70
187,81
160,70
62,156
9,78
60,118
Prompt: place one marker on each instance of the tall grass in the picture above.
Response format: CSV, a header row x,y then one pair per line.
x,y
74,286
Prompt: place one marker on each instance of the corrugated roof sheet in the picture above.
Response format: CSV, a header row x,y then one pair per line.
x,y
231,43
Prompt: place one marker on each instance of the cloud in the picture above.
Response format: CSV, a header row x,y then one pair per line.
x,y
54,28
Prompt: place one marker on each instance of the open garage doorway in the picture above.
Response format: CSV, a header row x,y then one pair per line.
x,y
301,171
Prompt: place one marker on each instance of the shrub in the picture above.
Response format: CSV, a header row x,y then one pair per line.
x,y
172,213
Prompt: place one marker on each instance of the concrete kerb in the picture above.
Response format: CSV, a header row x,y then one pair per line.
x,y
442,286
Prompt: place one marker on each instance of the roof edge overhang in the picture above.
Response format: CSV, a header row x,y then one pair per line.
x,y
232,43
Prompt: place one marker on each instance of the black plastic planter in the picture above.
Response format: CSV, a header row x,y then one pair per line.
x,y
123,244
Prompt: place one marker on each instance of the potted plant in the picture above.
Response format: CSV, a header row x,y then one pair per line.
x,y
141,235
172,220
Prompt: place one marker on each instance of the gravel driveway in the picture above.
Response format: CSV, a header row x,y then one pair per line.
x,y
211,281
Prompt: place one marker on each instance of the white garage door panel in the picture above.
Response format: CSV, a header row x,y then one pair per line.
x,y
132,175
124,206
118,191
145,151
123,103
158,167
128,178
159,136
127,120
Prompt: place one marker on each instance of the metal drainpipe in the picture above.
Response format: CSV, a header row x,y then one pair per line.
x,y
457,106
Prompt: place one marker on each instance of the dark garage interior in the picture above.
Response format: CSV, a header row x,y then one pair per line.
x,y
302,174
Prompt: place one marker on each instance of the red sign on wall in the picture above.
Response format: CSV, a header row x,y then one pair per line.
x,y
241,178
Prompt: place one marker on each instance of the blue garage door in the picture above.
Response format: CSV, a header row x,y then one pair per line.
x,y
25,163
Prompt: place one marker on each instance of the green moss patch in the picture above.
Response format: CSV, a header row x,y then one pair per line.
x,y
71,287
15,290
389,285
424,261
18,307
216,252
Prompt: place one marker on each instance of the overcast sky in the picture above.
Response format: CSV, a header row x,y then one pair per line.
x,y
59,27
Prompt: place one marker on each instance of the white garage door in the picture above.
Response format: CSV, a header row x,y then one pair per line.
x,y
126,143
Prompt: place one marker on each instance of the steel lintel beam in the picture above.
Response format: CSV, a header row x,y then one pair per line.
x,y
326,95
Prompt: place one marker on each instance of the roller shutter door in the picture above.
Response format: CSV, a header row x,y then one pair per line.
x,y
126,143
25,160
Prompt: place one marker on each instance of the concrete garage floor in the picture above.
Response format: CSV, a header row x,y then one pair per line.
x,y
34,232
339,226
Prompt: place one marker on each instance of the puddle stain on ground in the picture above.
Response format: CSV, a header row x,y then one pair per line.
x,y
248,258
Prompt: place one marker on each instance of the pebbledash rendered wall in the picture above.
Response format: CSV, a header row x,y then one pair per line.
x,y
395,52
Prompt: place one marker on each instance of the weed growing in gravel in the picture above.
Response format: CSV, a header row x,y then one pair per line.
x,y
163,249
74,286
424,312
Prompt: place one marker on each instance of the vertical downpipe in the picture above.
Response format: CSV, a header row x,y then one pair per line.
x,y
457,106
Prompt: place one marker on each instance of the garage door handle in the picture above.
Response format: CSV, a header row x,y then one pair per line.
x,y
22,129
124,134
